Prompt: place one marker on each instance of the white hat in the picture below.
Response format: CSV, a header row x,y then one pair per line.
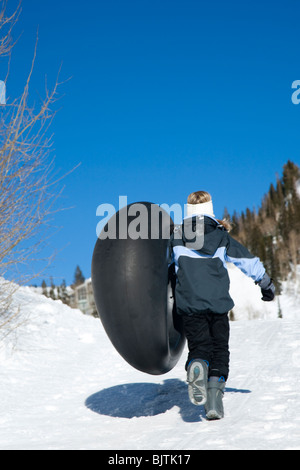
x,y
205,208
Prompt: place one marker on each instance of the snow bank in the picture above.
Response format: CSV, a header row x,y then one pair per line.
x,y
247,298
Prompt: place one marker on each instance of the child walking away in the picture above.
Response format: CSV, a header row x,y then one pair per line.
x,y
202,298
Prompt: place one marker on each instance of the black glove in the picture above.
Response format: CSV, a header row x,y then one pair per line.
x,y
268,294
267,288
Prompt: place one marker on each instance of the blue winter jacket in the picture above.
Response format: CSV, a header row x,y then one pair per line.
x,y
202,277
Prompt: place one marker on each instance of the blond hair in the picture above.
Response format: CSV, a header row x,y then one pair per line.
x,y
199,197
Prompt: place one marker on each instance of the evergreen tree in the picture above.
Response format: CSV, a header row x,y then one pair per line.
x,y
64,294
78,277
291,173
44,288
58,294
280,196
52,289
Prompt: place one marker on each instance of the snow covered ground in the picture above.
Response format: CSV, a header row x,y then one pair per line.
x,y
63,386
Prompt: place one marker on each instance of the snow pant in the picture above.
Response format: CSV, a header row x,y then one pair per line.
x,y
207,335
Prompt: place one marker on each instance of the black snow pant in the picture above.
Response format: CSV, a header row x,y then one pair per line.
x,y
207,336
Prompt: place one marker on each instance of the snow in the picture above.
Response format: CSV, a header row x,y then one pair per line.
x,y
63,386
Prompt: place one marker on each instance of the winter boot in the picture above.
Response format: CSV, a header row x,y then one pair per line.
x,y
214,406
197,373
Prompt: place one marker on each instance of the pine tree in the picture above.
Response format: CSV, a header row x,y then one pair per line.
x,y
235,224
291,173
78,277
58,294
64,294
280,196
52,289
44,288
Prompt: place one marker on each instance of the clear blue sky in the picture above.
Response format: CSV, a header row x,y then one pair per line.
x,y
166,97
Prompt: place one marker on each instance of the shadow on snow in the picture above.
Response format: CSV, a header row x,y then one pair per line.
x,y
137,400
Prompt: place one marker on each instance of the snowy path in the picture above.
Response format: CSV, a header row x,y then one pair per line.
x,y
63,386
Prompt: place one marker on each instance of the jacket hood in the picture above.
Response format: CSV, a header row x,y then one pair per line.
x,y
213,234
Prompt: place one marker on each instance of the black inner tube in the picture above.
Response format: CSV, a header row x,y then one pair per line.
x,y
134,288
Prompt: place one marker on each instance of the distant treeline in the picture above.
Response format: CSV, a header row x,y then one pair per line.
x,y
272,231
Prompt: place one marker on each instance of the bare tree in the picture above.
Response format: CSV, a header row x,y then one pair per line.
x,y
29,187
7,22
27,184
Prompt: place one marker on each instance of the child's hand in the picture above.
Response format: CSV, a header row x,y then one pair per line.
x,y
267,288
268,294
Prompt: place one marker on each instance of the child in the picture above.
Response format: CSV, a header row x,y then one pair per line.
x,y
203,300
